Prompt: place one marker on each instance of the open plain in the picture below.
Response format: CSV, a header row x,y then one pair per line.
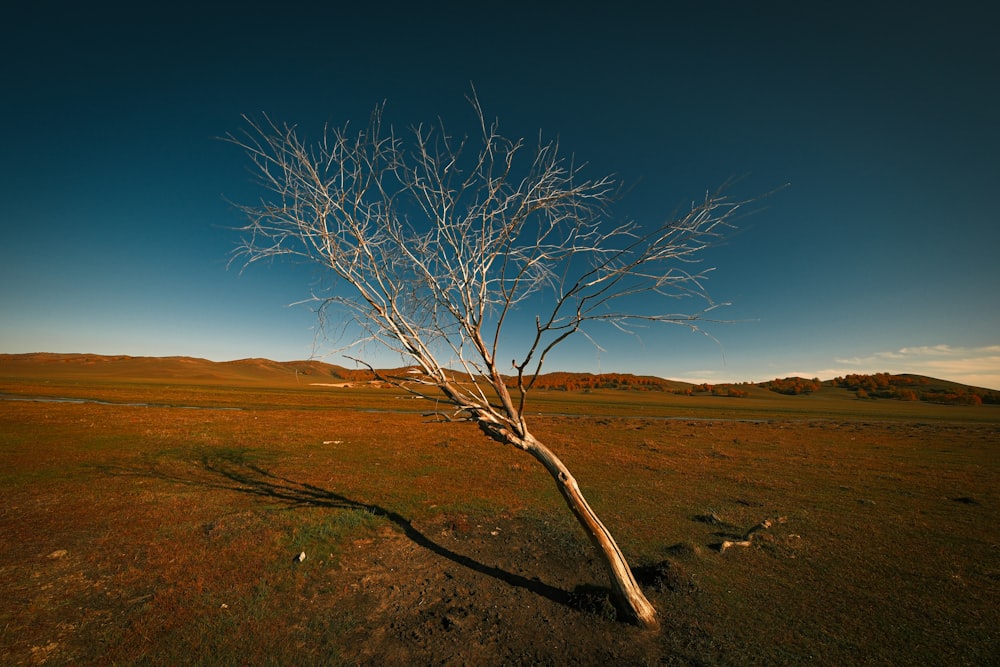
x,y
153,516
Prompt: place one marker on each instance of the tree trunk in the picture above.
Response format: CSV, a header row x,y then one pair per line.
x,y
626,592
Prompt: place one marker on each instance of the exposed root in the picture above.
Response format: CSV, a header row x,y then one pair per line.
x,y
749,535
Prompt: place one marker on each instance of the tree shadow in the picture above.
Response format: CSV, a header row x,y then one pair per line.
x,y
234,469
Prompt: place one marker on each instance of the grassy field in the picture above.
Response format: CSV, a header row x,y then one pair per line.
x,y
168,532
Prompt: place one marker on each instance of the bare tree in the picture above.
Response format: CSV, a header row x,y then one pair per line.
x,y
440,245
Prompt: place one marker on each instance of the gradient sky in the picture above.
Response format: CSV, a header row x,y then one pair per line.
x,y
880,256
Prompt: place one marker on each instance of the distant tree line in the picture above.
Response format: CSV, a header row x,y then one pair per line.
x,y
793,386
586,381
727,390
877,385
626,381
907,388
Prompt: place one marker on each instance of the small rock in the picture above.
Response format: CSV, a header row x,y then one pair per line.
x,y
58,553
301,557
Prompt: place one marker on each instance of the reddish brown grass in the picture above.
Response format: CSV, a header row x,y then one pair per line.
x,y
165,536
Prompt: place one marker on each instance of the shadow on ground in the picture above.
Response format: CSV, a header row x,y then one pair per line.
x,y
237,470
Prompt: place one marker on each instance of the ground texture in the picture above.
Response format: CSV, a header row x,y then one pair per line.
x,y
164,536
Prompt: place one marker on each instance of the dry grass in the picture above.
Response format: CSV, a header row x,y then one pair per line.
x,y
164,536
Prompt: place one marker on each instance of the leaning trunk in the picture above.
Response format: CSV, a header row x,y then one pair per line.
x,y
626,592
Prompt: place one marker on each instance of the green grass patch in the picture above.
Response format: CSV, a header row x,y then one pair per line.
x,y
321,532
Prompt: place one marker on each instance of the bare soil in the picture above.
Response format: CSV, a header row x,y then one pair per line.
x,y
475,598
163,536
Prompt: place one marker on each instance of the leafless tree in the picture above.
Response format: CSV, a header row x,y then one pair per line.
x,y
439,246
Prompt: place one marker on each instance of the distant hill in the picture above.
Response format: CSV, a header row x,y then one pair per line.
x,y
909,387
174,369
264,372
904,387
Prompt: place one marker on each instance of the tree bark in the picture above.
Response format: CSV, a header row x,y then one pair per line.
x,y
625,590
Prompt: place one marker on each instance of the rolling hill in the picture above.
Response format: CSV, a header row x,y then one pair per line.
x,y
263,372
267,373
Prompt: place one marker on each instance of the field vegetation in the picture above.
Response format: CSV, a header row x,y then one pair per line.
x,y
159,516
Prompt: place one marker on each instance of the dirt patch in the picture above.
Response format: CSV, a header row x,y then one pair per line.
x,y
474,599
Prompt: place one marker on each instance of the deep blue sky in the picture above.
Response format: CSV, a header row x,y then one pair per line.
x,y
880,256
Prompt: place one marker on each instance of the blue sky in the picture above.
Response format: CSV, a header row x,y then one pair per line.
x,y
879,256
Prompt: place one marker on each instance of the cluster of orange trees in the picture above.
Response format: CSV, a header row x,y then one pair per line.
x,y
793,386
883,385
730,390
909,388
